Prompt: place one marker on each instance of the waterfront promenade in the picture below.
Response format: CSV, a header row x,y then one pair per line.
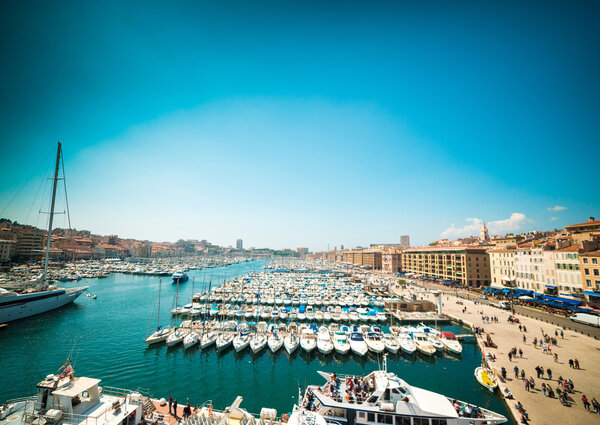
x,y
541,409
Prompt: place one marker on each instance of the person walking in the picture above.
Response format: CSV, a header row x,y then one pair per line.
x,y
576,363
555,358
585,402
175,407
562,334
527,385
170,403
571,364
549,373
516,369
520,353
524,339
523,374
510,356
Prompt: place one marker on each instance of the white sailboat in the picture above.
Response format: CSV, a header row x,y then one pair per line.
x,y
44,297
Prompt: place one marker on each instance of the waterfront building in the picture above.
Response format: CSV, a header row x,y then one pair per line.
x,y
523,266
584,231
468,265
590,277
405,241
29,242
6,247
568,273
502,267
302,252
367,259
391,262
239,244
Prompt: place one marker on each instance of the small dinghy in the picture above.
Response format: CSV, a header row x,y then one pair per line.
x,y
486,378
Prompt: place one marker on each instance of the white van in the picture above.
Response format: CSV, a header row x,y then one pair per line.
x,y
587,319
501,304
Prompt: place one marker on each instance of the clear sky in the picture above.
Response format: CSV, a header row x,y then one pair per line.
x,y
302,124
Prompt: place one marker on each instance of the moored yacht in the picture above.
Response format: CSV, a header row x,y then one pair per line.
x,y
388,399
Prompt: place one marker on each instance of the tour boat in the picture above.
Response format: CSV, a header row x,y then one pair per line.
x,y
390,400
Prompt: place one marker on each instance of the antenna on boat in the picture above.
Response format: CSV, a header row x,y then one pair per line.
x,y
385,362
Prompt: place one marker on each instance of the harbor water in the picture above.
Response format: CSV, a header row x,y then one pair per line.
x,y
105,339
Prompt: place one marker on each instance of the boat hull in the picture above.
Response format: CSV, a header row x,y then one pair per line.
x,y
15,309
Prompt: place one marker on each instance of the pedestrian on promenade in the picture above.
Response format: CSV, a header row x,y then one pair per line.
x,y
555,333
524,328
175,407
526,385
522,374
562,334
520,328
520,353
503,372
510,356
531,382
571,363
516,369
549,373
524,339
544,389
576,362
541,372
170,403
596,405
555,357
537,370
585,402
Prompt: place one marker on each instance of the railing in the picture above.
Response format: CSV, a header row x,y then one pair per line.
x,y
19,399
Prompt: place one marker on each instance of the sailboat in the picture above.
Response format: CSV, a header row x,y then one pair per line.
x,y
44,297
160,334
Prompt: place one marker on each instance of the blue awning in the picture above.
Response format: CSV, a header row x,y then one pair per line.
x,y
522,291
487,289
550,287
505,291
562,300
537,294
591,293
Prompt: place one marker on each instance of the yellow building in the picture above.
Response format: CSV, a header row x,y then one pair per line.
x,y
502,267
590,276
391,262
468,265
584,231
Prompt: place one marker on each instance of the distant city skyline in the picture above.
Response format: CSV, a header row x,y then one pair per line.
x,y
309,124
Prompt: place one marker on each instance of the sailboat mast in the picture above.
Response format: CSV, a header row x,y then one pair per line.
x,y
45,277
158,319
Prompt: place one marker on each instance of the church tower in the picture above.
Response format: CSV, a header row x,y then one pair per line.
x,y
484,235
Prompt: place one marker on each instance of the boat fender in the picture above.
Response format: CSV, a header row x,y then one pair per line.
x,y
388,407
210,410
285,418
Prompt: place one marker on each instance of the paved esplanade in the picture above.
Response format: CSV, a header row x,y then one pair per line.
x,y
541,410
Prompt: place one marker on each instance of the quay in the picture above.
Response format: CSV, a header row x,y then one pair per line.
x,y
506,335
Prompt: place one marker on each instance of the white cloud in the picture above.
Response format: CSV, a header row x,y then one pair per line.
x,y
553,218
557,208
514,223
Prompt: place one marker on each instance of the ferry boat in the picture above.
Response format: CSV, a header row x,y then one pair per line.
x,y
389,400
179,277
65,399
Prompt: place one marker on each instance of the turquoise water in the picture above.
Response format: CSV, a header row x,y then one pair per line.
x,y
106,337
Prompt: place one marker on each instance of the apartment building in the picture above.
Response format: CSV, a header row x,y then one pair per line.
x,y
468,265
524,267
590,276
584,231
568,271
29,242
6,247
502,267
391,262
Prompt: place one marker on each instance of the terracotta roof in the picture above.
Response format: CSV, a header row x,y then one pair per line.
x,y
592,253
586,223
572,248
445,248
502,250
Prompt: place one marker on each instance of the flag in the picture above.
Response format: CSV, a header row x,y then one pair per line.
x,y
68,370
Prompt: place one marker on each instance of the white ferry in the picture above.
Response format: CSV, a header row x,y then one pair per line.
x,y
383,398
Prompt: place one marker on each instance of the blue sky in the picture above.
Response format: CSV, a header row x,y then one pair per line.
x,y
303,124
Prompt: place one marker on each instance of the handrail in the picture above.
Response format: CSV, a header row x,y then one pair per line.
x,y
19,399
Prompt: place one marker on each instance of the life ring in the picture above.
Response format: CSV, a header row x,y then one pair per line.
x,y
210,410
285,418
